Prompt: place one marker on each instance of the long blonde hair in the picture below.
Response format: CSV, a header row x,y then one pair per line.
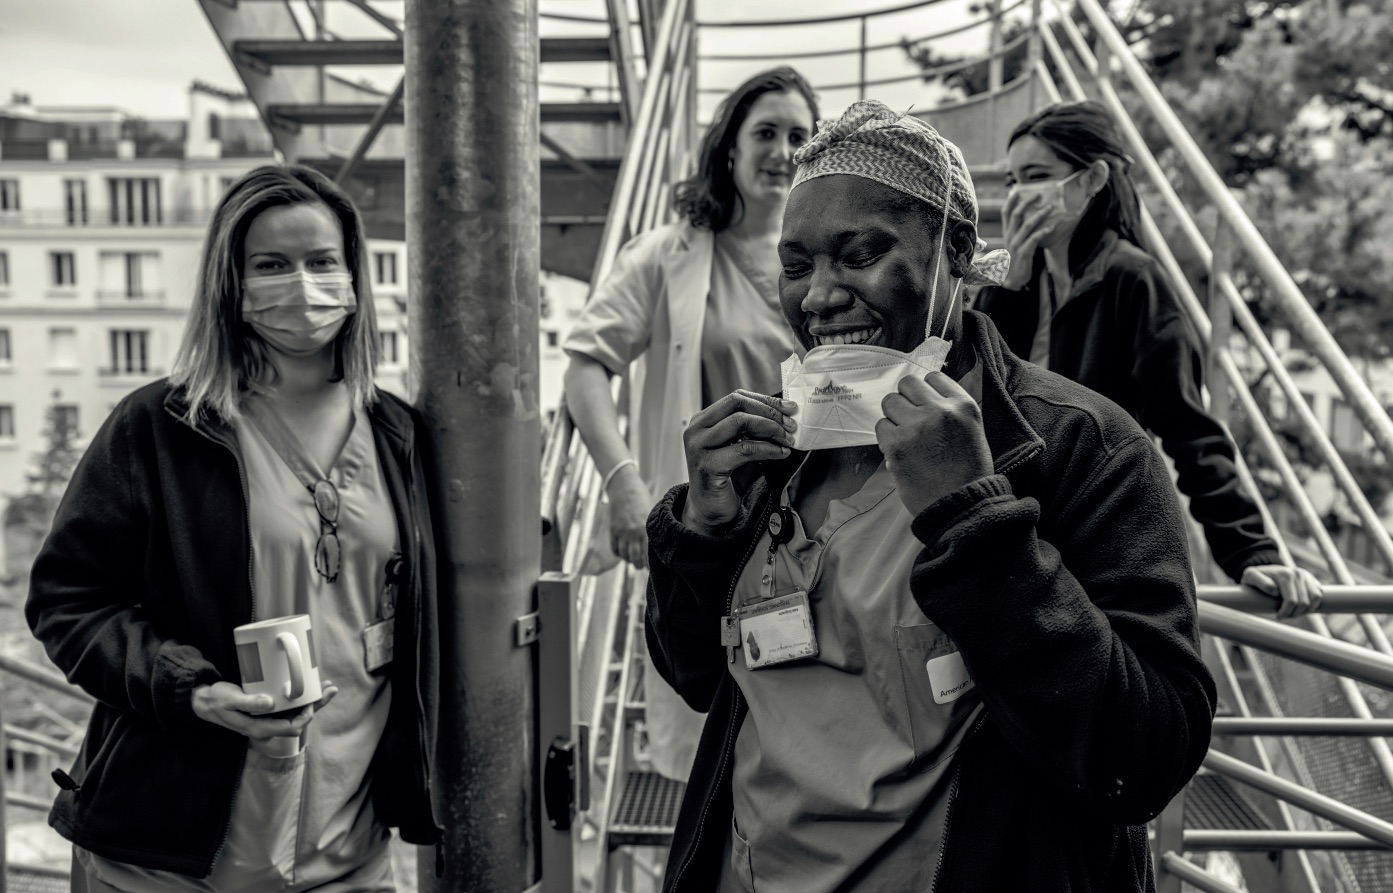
x,y
220,359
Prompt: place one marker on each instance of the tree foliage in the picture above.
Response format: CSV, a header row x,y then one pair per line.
x,y
975,78
53,466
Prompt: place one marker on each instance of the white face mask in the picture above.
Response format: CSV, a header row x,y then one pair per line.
x,y
298,313
1052,191
839,388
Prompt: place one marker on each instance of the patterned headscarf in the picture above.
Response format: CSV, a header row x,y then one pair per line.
x,y
903,152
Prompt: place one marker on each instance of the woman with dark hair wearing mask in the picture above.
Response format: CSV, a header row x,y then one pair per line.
x,y
1084,299
699,301
266,477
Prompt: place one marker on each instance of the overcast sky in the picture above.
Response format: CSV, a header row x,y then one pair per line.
x,y
141,55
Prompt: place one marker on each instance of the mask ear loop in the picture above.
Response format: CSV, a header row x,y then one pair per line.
x,y
938,252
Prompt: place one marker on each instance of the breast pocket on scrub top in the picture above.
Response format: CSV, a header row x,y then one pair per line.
x,y
938,690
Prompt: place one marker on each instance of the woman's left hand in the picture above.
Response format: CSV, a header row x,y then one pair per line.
x,y
932,438
1298,588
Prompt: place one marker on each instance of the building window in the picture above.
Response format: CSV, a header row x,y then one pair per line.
x,y
214,126
6,357
64,269
553,339
66,417
384,265
129,275
75,202
130,351
135,201
62,348
9,195
7,421
390,357
4,269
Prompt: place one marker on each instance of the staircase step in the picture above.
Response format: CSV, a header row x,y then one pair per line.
x,y
389,52
354,113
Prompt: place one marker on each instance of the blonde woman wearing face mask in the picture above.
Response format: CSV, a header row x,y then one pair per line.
x,y
266,477
1083,299
697,301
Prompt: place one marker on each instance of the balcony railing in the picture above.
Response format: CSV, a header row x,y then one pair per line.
x,y
99,218
122,297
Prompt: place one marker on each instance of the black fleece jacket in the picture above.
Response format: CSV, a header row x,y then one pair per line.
x,y
1064,580
1123,334
134,596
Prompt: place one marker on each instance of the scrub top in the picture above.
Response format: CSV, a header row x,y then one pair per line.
x,y
746,335
306,822
843,763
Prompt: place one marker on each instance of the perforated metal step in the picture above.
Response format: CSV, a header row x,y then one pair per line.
x,y
646,812
1214,803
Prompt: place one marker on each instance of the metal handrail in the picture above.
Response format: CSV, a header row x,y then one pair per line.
x,y
869,48
1329,808
1176,865
817,20
1215,839
46,678
1350,599
924,74
1335,655
1301,725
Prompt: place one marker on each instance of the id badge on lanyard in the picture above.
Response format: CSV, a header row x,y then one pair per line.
x,y
774,630
379,637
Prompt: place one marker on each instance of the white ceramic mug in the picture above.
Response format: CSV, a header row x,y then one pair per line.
x,y
277,658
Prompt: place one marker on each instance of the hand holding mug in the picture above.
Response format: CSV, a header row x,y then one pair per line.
x,y
227,705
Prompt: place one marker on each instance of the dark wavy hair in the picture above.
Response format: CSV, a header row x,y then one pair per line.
x,y
1081,133
708,199
220,359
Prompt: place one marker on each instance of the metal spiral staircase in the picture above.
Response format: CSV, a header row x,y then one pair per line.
x,y
1298,786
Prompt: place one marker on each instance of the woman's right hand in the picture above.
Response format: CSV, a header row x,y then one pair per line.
x,y
226,704
736,430
1026,223
629,506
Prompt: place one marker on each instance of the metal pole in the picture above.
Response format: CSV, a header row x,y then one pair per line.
x,y
861,79
1340,657
1203,839
1174,863
4,819
1352,819
1220,321
1301,725
474,223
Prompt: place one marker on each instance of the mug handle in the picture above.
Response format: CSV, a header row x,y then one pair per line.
x,y
291,646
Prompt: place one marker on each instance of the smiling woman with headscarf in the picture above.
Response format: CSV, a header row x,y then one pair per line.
x,y
956,651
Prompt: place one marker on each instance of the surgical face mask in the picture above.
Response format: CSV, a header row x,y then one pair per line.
x,y
1051,191
839,388
298,313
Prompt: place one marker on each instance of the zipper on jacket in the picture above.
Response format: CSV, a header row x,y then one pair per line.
x,y
421,738
251,592
735,703
948,810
